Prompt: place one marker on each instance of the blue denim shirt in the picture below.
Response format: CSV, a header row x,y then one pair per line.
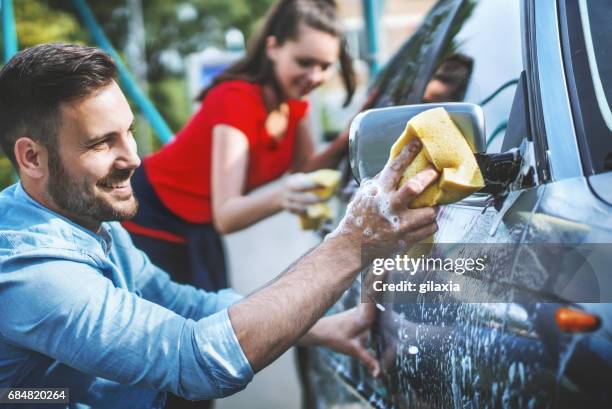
x,y
92,313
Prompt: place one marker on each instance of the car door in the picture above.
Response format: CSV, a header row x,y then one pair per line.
x,y
413,339
464,354
419,345
511,353
507,353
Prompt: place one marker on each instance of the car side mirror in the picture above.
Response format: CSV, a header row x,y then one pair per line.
x,y
373,132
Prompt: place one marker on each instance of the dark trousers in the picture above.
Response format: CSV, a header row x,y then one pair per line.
x,y
199,261
184,263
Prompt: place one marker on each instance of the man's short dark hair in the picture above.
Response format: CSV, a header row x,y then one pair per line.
x,y
37,80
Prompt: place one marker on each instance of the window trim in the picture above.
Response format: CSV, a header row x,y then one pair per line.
x,y
555,133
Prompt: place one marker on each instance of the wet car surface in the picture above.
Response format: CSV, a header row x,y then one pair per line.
x,y
540,71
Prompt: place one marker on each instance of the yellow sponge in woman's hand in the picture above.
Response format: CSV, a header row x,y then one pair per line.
x,y
446,149
327,181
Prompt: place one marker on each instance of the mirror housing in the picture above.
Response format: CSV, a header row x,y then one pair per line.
x,y
373,132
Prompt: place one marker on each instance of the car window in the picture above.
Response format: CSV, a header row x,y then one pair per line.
x,y
481,62
589,66
596,22
399,83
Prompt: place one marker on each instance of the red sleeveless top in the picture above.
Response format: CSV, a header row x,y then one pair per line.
x,y
180,172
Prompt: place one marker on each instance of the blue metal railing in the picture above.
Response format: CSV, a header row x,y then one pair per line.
x,y
371,14
130,85
9,33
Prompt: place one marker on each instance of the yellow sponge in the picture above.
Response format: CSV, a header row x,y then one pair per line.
x,y
327,181
446,149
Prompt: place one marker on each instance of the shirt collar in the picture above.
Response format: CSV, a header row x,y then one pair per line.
x,y
103,236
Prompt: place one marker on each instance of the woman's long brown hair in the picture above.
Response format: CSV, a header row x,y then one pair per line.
x,y
282,22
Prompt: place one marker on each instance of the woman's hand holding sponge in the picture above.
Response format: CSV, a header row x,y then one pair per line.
x,y
327,181
304,194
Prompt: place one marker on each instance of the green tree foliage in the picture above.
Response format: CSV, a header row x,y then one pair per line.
x,y
178,25
36,22
6,172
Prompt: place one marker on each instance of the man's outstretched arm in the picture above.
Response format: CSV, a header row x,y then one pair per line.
x,y
269,321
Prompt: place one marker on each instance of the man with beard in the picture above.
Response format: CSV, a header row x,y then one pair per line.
x,y
82,308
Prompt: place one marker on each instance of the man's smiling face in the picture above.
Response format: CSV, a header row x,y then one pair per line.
x,y
90,171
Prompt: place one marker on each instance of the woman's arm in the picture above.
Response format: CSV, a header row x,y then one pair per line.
x,y
232,210
304,157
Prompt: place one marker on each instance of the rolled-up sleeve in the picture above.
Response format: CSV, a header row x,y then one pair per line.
x,y
71,313
228,376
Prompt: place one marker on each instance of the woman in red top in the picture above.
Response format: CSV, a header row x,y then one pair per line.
x,y
251,129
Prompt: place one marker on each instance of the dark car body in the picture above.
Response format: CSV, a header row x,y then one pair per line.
x,y
542,72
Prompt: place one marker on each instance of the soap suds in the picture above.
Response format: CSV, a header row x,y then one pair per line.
x,y
370,199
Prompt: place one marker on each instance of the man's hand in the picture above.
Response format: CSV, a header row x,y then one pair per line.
x,y
346,333
379,215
